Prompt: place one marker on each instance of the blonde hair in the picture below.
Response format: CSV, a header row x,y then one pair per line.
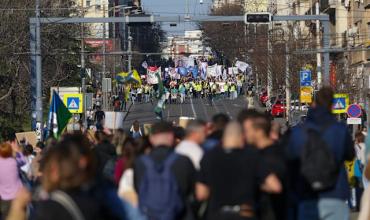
x,y
233,135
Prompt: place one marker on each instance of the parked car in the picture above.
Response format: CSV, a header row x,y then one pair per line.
x,y
278,109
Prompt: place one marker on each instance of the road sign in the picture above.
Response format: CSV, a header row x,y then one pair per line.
x,y
354,121
354,111
306,77
340,103
74,102
306,94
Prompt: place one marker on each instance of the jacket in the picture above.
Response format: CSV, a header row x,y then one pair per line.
x,y
338,140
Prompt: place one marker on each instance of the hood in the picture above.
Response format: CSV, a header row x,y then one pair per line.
x,y
320,115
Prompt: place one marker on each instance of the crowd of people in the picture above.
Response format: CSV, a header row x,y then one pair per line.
x,y
218,170
177,91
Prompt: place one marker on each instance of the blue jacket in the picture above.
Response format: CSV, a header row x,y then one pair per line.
x,y
338,139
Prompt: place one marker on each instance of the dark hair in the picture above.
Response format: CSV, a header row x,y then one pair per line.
x,y
143,145
247,114
129,151
220,121
360,137
161,127
101,136
40,145
66,156
179,133
28,150
262,121
8,134
324,97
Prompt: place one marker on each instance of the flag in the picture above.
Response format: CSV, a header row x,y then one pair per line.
x,y
152,72
59,116
242,66
132,77
144,65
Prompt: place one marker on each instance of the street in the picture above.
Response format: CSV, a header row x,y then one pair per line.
x,y
194,108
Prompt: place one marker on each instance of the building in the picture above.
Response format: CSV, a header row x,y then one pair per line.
x,y
95,9
220,3
191,43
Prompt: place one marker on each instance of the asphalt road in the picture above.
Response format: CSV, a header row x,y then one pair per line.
x,y
195,108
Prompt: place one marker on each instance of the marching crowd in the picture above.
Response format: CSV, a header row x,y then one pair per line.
x,y
178,90
222,169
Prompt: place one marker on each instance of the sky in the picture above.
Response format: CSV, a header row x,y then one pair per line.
x,y
176,7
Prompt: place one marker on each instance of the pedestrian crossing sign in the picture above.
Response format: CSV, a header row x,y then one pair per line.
x,y
74,102
340,103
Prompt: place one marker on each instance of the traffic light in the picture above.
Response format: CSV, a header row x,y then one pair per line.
x,y
257,18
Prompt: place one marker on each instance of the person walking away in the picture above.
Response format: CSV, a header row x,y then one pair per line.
x,y
218,124
106,155
191,145
257,130
70,188
99,118
230,177
10,182
164,179
28,156
316,151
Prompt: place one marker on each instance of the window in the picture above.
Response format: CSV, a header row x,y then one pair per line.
x,y
88,3
97,4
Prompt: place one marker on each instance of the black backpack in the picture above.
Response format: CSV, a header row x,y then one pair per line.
x,y
318,164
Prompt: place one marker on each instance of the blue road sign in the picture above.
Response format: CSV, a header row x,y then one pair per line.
x,y
73,103
306,78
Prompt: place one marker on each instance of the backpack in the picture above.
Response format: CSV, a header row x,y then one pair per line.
x,y
318,164
109,167
159,194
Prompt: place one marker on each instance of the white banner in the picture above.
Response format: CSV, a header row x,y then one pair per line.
x,y
242,65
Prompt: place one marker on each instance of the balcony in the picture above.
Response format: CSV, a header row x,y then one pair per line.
x,y
357,57
367,4
326,5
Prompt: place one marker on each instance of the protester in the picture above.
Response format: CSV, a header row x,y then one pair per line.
x,y
105,154
257,132
99,118
230,177
126,182
195,134
218,124
135,130
10,182
315,149
28,156
163,179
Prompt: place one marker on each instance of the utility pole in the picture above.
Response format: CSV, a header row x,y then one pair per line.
x,y
287,82
104,46
318,55
269,54
39,110
129,50
83,67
